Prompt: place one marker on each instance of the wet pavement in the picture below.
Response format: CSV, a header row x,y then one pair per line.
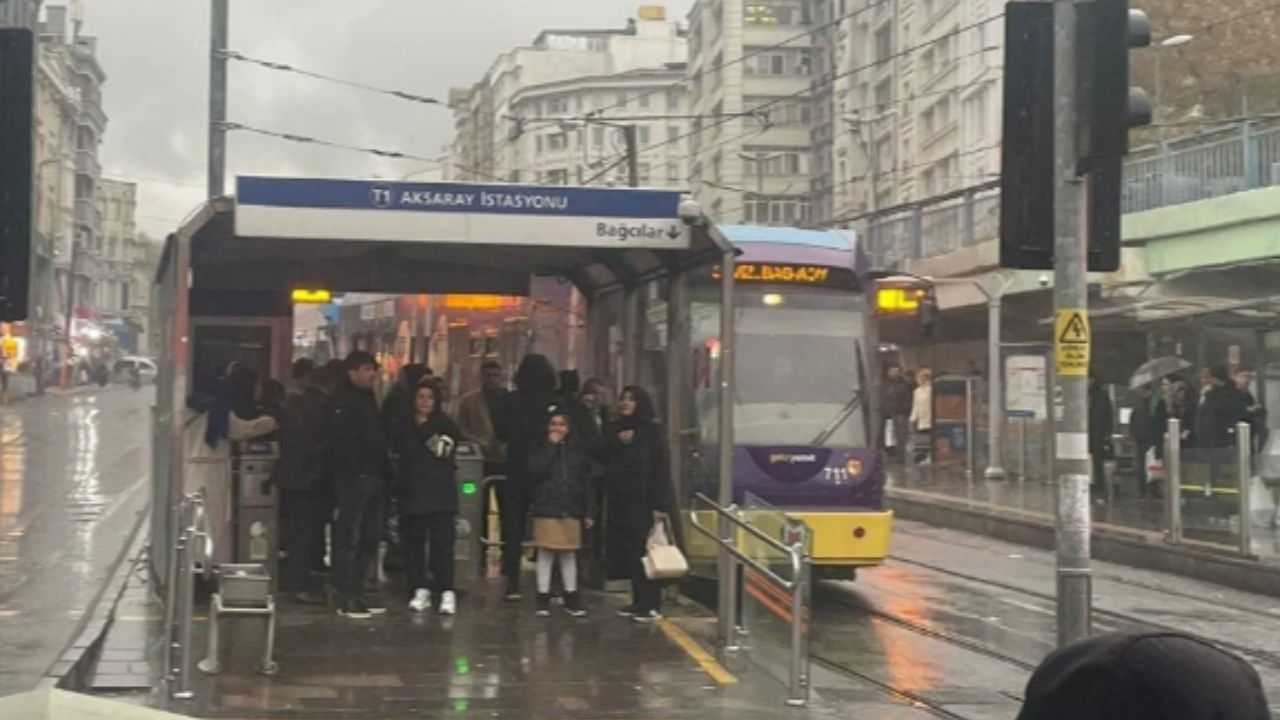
x,y
73,472
960,619
1204,521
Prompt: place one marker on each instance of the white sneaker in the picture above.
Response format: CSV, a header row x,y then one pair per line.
x,y
421,601
448,603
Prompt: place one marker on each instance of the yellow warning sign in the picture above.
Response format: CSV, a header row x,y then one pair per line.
x,y
1071,341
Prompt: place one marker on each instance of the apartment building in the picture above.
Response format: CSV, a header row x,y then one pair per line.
x,y
917,100
552,113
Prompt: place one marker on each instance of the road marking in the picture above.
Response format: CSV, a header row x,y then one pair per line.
x,y
705,660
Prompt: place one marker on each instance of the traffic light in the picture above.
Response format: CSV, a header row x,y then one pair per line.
x,y
1107,108
1026,158
17,138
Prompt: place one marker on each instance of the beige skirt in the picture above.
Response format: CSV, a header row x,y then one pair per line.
x,y
557,533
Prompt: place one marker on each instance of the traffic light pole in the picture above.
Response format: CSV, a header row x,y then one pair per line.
x,y
219,30
1071,455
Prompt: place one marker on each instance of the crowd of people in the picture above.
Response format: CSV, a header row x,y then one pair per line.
x,y
565,458
1208,415
906,403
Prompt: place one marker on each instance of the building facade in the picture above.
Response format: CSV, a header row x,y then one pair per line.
x,y
761,118
549,113
917,101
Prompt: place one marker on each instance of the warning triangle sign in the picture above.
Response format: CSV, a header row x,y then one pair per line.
x,y
1075,331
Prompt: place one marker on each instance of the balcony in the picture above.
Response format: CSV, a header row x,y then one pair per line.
x,y
87,164
88,215
91,114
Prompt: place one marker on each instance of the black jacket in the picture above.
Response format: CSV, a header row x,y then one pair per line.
x,y
637,475
1101,423
355,441
563,480
895,398
524,427
424,484
1223,407
302,435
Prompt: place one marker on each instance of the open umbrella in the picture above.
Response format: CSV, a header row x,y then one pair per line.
x,y
1152,370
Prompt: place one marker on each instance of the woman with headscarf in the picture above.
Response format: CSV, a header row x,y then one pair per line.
x,y
525,426
637,480
211,425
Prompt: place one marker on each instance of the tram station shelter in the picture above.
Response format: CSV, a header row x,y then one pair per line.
x,y
226,276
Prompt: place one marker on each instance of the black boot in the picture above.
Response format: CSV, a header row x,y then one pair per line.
x,y
573,605
544,604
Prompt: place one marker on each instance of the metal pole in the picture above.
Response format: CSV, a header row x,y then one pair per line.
x,y
219,31
970,433
1173,481
1155,114
633,155
1071,461
799,676
995,388
1244,450
677,374
724,495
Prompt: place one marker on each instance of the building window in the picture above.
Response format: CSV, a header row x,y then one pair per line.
x,y
644,99
557,106
643,172
673,172
673,99
557,177
673,133
884,43
621,101
788,61
557,141
642,134
776,12
597,136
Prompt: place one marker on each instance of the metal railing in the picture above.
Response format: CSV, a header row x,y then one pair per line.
x,y
194,552
1218,463
732,524
1241,156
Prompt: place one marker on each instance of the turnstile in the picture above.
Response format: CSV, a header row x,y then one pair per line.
x,y
256,513
470,478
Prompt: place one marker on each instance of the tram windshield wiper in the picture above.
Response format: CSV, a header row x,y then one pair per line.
x,y
841,417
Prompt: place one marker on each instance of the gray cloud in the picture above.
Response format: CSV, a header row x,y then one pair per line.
x,y
155,54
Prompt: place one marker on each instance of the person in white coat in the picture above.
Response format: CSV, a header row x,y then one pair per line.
x,y
922,417
210,428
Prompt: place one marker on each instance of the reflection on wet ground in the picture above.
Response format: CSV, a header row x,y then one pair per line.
x,y
1203,519
72,484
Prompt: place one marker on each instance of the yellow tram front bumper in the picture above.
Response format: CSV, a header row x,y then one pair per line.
x,y
840,538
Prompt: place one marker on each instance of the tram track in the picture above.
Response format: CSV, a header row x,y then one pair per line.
x,y
917,700
1269,658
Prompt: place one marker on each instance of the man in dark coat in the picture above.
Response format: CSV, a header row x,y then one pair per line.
x,y
524,426
1224,406
356,448
895,402
1143,434
1101,429
300,476
1144,675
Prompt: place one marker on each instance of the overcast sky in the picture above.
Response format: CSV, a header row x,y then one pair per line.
x,y
155,53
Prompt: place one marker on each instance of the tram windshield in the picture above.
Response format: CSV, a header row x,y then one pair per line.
x,y
799,374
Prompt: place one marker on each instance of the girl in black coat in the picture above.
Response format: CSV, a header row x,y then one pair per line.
x,y
638,484
562,475
427,490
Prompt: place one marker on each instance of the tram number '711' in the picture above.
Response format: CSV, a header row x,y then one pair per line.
x,y
837,474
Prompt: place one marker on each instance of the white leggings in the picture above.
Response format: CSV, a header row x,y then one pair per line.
x,y
568,569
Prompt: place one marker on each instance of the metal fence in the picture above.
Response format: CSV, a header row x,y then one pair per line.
x,y
1241,156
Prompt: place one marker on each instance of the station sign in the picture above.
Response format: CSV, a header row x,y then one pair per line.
x,y
530,215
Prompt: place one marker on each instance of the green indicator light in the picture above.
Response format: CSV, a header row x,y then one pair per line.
x,y
461,705
462,666
468,488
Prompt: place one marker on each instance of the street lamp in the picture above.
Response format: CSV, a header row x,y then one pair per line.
x,y
1172,41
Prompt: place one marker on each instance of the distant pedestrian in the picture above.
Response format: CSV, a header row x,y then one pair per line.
x,y
357,453
921,418
1144,675
301,476
480,416
1142,432
1224,405
595,396
426,489
524,427
300,375
638,487
561,474
570,400
1101,443
398,405
895,404
1177,400
1257,413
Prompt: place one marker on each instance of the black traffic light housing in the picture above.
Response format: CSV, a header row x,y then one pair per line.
x,y
928,316
1105,32
17,169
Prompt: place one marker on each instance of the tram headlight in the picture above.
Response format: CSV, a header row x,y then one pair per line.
x,y
773,299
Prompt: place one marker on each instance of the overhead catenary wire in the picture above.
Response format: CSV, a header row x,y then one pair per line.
x,y
287,68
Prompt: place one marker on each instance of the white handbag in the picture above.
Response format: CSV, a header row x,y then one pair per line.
x,y
663,560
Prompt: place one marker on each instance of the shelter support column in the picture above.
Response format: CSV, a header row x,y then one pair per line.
x,y
677,376
726,574
631,328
